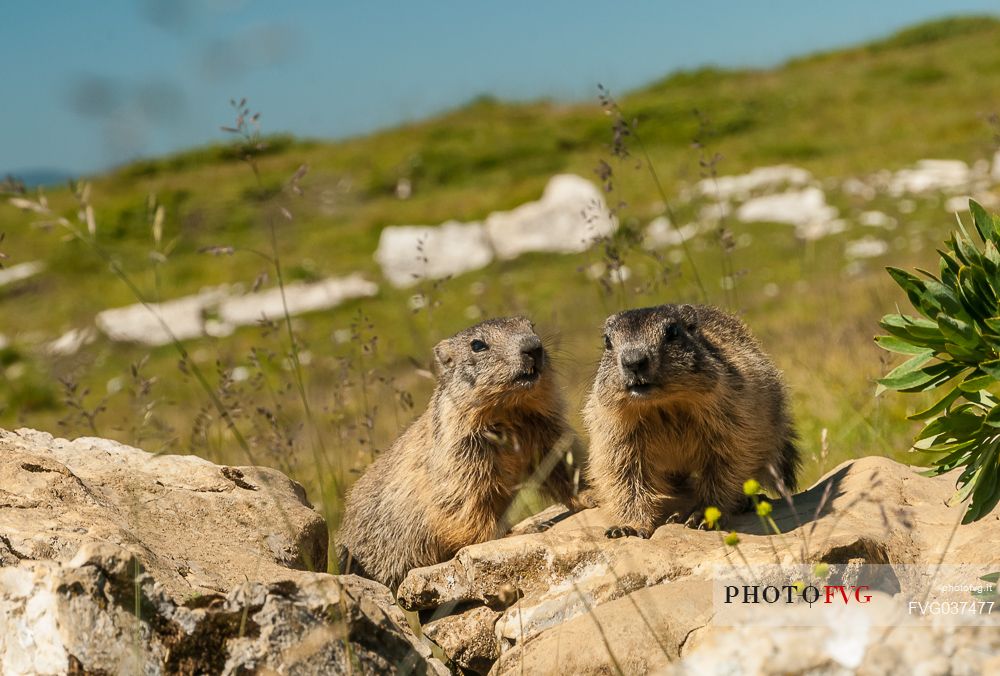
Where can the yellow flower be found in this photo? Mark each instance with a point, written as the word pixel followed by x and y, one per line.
pixel 763 508
pixel 712 516
pixel 732 539
pixel 751 488
pixel 821 570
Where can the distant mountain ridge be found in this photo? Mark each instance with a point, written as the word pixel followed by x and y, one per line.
pixel 40 176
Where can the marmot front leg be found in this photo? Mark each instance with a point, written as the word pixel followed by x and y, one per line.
pixel 637 510
pixel 718 485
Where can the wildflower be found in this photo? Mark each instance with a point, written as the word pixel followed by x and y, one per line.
pixel 732 539
pixel 751 488
pixel 763 508
pixel 712 516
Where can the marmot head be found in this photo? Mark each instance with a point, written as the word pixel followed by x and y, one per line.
pixel 498 361
pixel 655 354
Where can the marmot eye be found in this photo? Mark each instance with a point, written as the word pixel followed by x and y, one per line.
pixel 607 342
pixel 479 346
pixel 672 331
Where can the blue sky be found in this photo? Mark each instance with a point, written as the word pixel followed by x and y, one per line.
pixel 90 84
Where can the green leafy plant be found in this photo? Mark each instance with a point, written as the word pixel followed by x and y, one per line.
pixel 953 346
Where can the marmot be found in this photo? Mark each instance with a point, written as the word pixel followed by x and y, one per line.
pixel 684 409
pixel 495 418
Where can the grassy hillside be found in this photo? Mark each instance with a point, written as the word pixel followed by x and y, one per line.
pixel 926 92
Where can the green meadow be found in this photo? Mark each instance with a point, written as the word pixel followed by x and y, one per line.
pixel 363 367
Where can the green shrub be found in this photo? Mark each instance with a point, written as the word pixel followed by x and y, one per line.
pixel 954 347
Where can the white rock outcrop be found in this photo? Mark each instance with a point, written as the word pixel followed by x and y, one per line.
pixel 660 232
pixel 806 209
pixel 70 342
pixel 931 175
pixel 158 323
pixel 866 247
pixel 411 253
pixel 300 298
pixel 568 218
pixel 762 179
pixel 19 272
pixel 217 312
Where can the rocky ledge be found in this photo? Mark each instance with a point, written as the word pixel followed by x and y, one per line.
pixel 118 561
pixel 114 561
pixel 568 600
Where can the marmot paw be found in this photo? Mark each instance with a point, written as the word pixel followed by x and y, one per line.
pixel 626 531
pixel 696 520
pixel 693 519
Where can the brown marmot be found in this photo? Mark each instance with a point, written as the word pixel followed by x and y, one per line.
pixel 684 409
pixel 495 418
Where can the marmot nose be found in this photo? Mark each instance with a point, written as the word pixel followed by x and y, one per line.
pixel 531 346
pixel 635 361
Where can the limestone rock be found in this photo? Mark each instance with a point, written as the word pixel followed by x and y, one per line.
pixel 70 342
pixel 761 179
pixel 196 527
pixel 299 298
pixel 467 638
pixel 807 209
pixel 409 254
pixel 931 175
pixel 866 247
pixel 20 272
pixel 218 311
pixel 98 614
pixel 184 317
pixel 117 561
pixel 568 218
pixel 842 650
pixel 569 600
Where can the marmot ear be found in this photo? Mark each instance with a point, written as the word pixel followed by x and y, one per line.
pixel 443 358
pixel 689 315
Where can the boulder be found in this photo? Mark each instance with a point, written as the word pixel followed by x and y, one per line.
pixel 118 561
pixel 98 614
pixel 196 527
pixel 842 650
pixel 569 600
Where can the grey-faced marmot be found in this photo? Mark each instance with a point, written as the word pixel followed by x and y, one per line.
pixel 684 409
pixel 495 418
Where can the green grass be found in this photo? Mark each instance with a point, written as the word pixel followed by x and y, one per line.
pixel 925 92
